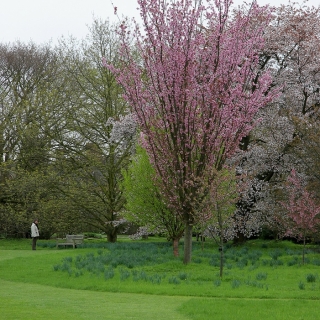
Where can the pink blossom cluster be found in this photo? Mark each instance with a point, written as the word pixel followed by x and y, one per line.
pixel 193 88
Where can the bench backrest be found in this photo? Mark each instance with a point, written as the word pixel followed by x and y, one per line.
pixel 75 238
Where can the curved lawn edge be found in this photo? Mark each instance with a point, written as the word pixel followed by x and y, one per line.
pixel 25 301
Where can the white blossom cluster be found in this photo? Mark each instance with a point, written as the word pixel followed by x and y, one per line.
pixel 228 232
pixel 269 153
pixel 123 129
pixel 141 232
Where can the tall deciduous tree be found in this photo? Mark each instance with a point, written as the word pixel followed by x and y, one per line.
pixel 284 138
pixel 27 86
pixel 100 133
pixel 192 92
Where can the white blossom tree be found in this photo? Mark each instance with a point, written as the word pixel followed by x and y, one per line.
pixel 274 146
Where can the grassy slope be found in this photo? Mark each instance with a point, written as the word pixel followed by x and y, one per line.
pixel 21 301
pixel 29 287
pixel 33 301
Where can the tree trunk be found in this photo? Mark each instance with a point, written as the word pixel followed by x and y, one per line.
pixel 187 243
pixel 112 237
pixel 304 248
pixel 176 247
pixel 221 256
pixel 239 239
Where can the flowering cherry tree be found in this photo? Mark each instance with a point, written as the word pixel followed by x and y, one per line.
pixel 194 91
pixel 286 136
pixel 303 211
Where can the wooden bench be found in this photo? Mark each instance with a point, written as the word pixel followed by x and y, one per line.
pixel 71 240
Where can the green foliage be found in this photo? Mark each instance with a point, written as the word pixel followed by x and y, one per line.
pixel 183 276
pixel 174 280
pixel 294 261
pixel 316 262
pixel 311 277
pixel 63 158
pixel 275 254
pixel 217 282
pixel 261 276
pixel 144 204
pixel 128 255
pixel 109 273
pixel 136 266
pixel 124 274
pixel 139 275
pixel 235 283
pixel 254 284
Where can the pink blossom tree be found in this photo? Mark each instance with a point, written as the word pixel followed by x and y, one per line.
pixel 194 91
pixel 303 211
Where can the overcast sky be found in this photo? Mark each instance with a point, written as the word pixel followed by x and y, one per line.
pixel 47 20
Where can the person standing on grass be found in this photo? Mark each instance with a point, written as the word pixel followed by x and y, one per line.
pixel 34 234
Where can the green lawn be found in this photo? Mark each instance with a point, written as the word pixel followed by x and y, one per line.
pixel 51 284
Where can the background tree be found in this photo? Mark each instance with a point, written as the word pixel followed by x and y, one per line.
pixel 303 211
pixel 274 146
pixel 99 134
pixel 192 92
pixel 145 205
pixel 27 84
pixel 306 146
pixel 219 207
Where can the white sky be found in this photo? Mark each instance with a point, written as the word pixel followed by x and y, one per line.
pixel 47 20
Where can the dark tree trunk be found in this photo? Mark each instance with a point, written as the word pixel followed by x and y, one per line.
pixel 187 243
pixel 304 249
pixel 221 257
pixel 239 239
pixel 176 247
pixel 112 237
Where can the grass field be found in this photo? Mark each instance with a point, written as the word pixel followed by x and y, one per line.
pixel 142 280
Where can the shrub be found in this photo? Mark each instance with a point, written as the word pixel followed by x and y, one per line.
pixel 253 267
pixel 214 262
pixel 275 263
pixel 67 259
pixel 183 276
pixel 124 274
pixel 235 283
pixel 301 285
pixel 197 260
pixel 275 254
pixel 229 266
pixel 139 275
pixel 311 277
pixel 316 262
pixel 293 261
pixel 109 273
pixel 254 284
pixel 56 267
pixel 261 276
pixel 254 256
pixel 156 279
pixel 244 251
pixel 217 283
pixel 174 280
